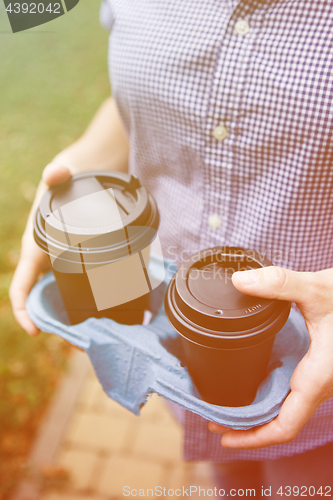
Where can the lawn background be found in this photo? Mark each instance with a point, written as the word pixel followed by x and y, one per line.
pixel 52 80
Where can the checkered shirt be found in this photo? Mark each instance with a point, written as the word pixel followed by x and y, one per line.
pixel 228 109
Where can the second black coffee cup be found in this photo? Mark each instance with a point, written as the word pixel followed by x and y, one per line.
pixel 97 231
pixel 227 336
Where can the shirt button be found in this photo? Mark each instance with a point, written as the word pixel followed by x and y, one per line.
pixel 242 27
pixel 220 133
pixel 214 221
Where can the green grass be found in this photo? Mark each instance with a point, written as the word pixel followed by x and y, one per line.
pixel 52 80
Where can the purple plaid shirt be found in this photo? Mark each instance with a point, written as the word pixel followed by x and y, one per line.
pixel 228 107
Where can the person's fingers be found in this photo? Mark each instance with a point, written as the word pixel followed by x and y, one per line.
pixel 221 429
pixel 275 283
pixel 55 173
pixel 25 277
pixel 31 263
pixel 294 413
pixel 25 322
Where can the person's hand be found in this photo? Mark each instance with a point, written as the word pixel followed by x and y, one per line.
pixel 33 261
pixel 103 146
pixel 312 381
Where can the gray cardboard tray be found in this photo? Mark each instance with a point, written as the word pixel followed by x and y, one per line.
pixel 132 362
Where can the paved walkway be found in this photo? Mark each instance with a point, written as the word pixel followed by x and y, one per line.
pixel 106 448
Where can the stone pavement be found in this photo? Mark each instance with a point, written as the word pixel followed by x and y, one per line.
pixel 106 448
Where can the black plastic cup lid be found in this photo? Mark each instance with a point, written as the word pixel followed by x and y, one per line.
pixel 103 215
pixel 203 305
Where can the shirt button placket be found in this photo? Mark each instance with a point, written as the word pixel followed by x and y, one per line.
pixel 223 131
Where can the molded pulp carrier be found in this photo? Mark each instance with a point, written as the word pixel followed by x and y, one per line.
pixel 131 362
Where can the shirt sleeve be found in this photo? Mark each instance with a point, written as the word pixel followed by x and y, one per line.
pixel 106 16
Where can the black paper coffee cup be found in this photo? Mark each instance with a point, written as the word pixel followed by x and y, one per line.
pixel 97 230
pixel 227 336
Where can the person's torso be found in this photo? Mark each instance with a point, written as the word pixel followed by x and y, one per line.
pixel 229 113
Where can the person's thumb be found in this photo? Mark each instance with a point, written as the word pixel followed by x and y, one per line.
pixel 275 283
pixel 54 173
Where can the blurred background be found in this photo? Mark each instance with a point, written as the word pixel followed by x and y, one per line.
pixel 52 80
